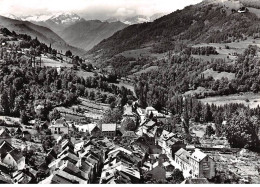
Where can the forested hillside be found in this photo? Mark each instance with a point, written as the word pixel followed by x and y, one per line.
pixel 196 24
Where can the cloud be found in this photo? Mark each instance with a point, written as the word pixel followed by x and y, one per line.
pixel 91 7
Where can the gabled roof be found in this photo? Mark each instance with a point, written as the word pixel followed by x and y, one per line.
pixel 59 180
pixel 150 108
pixel 108 127
pixel 92 126
pixel 198 155
pixel 150 123
pixel 130 134
pixel 4 133
pixel 59 123
pixel 73 158
pixel 5 147
pixel 183 154
pixel 17 155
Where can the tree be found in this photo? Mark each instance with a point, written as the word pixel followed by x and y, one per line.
pixel 24 118
pixel 209 131
pixel 242 131
pixel 128 124
pixel 177 176
pixel 255 88
pixel 68 53
pixel 207 113
pixel 54 115
pixel 4 101
pixel 112 116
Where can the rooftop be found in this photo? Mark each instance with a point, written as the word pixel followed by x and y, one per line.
pixel 198 155
pixel 108 127
pixel 183 154
pixel 17 155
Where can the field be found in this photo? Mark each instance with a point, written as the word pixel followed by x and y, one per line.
pixel 218 75
pixel 146 70
pixel 198 91
pixel 254 100
pixel 86 74
pixel 139 53
pixel 53 63
pixel 234 47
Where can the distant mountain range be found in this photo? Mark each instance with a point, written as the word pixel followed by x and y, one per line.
pixel 86 34
pixel 44 34
pixel 135 19
pixel 69 29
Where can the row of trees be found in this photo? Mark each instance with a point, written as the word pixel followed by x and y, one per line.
pixel 207 50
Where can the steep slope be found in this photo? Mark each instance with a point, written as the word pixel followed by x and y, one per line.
pixel 42 33
pixel 204 22
pixel 86 34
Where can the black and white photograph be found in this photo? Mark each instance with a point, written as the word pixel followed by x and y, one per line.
pixel 130 92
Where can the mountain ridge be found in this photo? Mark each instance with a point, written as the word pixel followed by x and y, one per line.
pixel 44 34
pixel 204 22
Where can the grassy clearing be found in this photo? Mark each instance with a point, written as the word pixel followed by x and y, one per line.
pixel 218 75
pixel 85 74
pixel 254 100
pixel 198 91
pixel 54 63
pixel 234 47
pixel 140 53
pixel 147 70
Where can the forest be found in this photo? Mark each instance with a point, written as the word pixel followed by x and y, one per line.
pixel 25 86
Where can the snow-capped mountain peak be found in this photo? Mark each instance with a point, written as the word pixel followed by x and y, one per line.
pixel 135 19
pixel 65 18
pixel 11 16
pixel 58 18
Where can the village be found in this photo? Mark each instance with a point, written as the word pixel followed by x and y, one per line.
pixel 64 120
pixel 112 154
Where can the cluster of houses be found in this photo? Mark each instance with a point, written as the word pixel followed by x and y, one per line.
pixel 110 154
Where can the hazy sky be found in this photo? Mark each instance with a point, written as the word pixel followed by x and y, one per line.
pixel 93 9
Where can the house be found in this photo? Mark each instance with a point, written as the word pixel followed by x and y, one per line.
pixel 20 177
pixel 109 130
pixel 51 156
pixel 120 173
pixel 150 110
pixel 242 10
pixel 16 159
pixel 60 126
pixel 5 147
pixel 198 164
pixel 92 129
pixel 128 113
pixel 55 179
pixel 148 139
pixel 5 136
pixel 129 136
pixel 163 118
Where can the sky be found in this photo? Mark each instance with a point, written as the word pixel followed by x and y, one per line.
pixel 93 9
